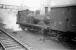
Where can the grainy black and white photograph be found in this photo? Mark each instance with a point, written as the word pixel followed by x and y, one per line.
pixel 37 24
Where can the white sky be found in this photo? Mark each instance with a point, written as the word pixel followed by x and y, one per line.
pixel 36 4
pixel 33 4
pixel 62 2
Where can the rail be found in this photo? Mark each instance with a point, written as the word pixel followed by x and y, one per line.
pixel 27 47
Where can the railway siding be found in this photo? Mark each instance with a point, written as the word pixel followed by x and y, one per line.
pixel 10 43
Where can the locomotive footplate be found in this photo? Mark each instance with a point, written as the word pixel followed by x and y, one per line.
pixel 33 27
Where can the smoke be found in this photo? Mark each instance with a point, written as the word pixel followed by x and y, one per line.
pixel 9 18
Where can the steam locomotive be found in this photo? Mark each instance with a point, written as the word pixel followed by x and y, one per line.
pixel 59 22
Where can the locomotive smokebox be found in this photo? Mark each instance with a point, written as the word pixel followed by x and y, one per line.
pixel 63 18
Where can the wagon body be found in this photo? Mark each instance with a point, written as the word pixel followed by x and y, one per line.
pixel 64 18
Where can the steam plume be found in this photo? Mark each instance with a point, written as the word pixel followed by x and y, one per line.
pixel 9 18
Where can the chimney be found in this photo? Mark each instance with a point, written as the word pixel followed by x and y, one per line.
pixel 46 10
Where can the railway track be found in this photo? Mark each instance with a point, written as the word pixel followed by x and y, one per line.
pixel 9 43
